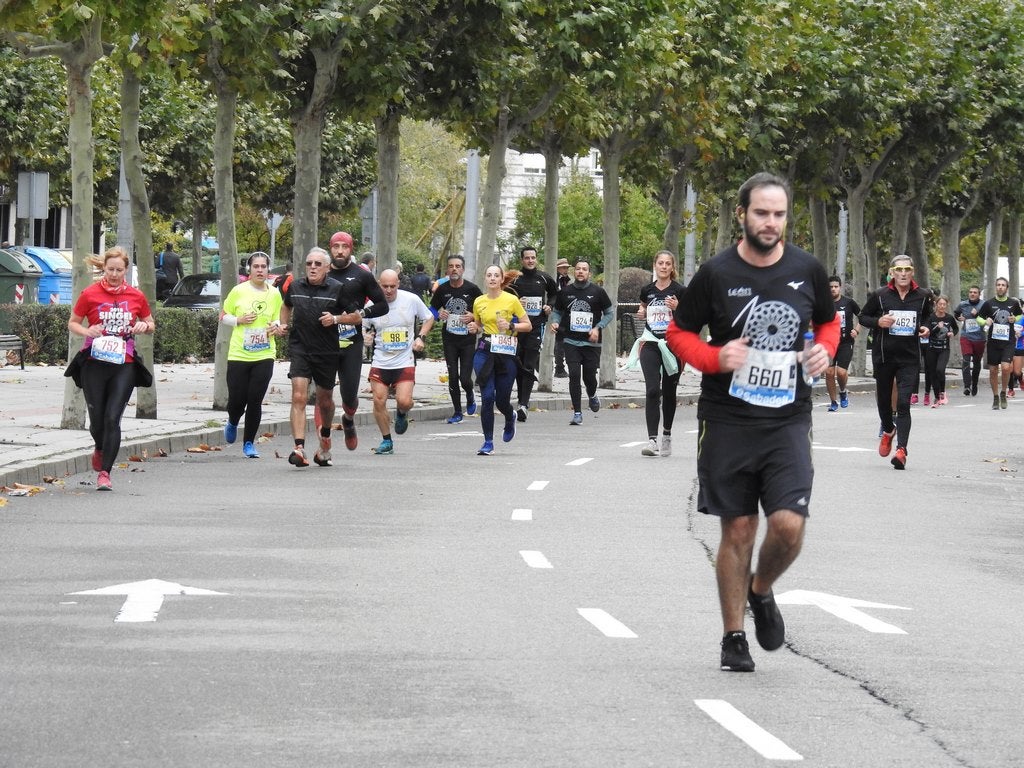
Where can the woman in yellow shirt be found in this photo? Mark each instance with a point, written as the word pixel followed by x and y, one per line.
pixel 498 315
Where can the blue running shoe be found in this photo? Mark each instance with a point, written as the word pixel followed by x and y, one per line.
pixel 401 423
pixel 386 448
pixel 486 449
pixel 230 432
pixel 510 430
pixel 471 406
pixel 250 452
pixel 577 419
pixel 455 418
pixel 844 399
pixel 833 407
pixel 595 404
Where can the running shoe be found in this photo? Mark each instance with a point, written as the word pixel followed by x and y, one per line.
pixel 913 399
pixel 595 404
pixel 521 413
pixel 899 461
pixel 666 445
pixel 486 449
pixel 97 460
pixel 103 482
pixel 576 420
pixel 471 406
pixel 768 624
pixel 386 448
pixel 250 452
pixel 510 429
pixel 1002 400
pixel 351 440
pixel 974 390
pixel 297 458
pixel 995 402
pixel 844 399
pixel 927 399
pixel 885 445
pixel 833 407
pixel 736 653
pixel 651 449
pixel 967 391
pixel 322 458
pixel 943 400
pixel 401 423
pixel 455 418
pixel 230 432
pixel 1011 392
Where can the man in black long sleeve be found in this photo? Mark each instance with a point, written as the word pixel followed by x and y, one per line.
pixel 536 291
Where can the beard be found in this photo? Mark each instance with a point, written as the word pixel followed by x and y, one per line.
pixel 761 245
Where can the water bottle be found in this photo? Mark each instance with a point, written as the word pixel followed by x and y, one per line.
pixel 808 343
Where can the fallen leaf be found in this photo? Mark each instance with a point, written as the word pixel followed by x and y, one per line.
pixel 633 405
pixel 49 479
pixel 196 449
pixel 996 461
pixel 136 458
pixel 3 502
pixel 30 489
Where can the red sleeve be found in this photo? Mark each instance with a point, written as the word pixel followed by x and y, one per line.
pixel 828 335
pixel 690 348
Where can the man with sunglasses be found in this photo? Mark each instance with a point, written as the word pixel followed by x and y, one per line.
pixel 312 305
pixel 896 315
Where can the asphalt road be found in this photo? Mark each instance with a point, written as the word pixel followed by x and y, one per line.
pixel 551 605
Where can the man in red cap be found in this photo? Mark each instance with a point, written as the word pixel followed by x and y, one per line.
pixel 357 287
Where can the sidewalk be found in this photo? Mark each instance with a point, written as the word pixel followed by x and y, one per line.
pixel 33 446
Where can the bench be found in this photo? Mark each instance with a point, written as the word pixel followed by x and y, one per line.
pixel 9 341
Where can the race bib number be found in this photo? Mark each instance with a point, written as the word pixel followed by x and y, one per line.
pixel 841 314
pixel 346 332
pixel 581 322
pixel 394 339
pixel 455 325
pixel 970 325
pixel 255 339
pixel 767 379
pixel 658 317
pixel 503 344
pixel 905 323
pixel 1001 331
pixel 533 305
pixel 108 349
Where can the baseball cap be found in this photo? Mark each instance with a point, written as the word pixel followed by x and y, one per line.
pixel 342 237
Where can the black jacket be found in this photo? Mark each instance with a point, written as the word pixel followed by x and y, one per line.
pixel 887 345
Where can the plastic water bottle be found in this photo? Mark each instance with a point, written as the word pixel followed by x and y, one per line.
pixel 808 343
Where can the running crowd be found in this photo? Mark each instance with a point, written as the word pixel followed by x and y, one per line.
pixel 761 321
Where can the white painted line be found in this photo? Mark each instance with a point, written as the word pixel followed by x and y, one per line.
pixel 633 445
pixel 607 624
pixel 537 485
pixel 579 462
pixel 741 726
pixel 535 559
pixel 844 608
pixel 144 598
pixel 819 447
pixel 522 514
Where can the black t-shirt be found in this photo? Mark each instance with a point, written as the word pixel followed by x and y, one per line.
pixel 581 309
pixel 771 306
pixel 658 313
pixel 847 309
pixel 357 286
pixel 456 301
pixel 1000 313
pixel 308 302
pixel 535 289
pixel 938 330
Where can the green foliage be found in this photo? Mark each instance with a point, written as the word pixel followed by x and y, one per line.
pixel 43 327
pixel 183 333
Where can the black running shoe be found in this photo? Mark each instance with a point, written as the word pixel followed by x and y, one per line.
pixel 768 624
pixel 736 653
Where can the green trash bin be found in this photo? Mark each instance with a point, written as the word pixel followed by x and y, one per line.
pixel 19 283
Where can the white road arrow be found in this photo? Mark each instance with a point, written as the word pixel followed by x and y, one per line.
pixel 843 607
pixel 145 597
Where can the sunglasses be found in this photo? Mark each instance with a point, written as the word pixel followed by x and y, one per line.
pixel 902 269
pixel 315 264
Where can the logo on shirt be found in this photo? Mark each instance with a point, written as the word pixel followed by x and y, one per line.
pixel 740 292
pixel 795 285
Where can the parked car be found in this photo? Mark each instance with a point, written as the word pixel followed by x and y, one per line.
pixel 196 292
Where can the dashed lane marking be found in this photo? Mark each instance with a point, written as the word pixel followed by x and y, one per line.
pixel 608 625
pixel 579 462
pixel 535 559
pixel 537 485
pixel 522 514
pixel 741 726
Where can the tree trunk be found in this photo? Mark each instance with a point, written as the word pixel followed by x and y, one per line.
pixel 725 225
pixel 388 165
pixel 491 204
pixel 950 244
pixel 916 246
pixel 611 159
pixel 1013 253
pixel 552 151
pixel 224 193
pixel 820 234
pixel 995 239
pixel 131 157
pixel 79 58
pixel 863 283
pixel 676 209
pixel 900 224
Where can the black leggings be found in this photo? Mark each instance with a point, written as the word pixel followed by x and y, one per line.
pixel 350 366
pixel 935 361
pixel 459 359
pixel 905 375
pixel 247 385
pixel 107 388
pixel 661 389
pixel 582 364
